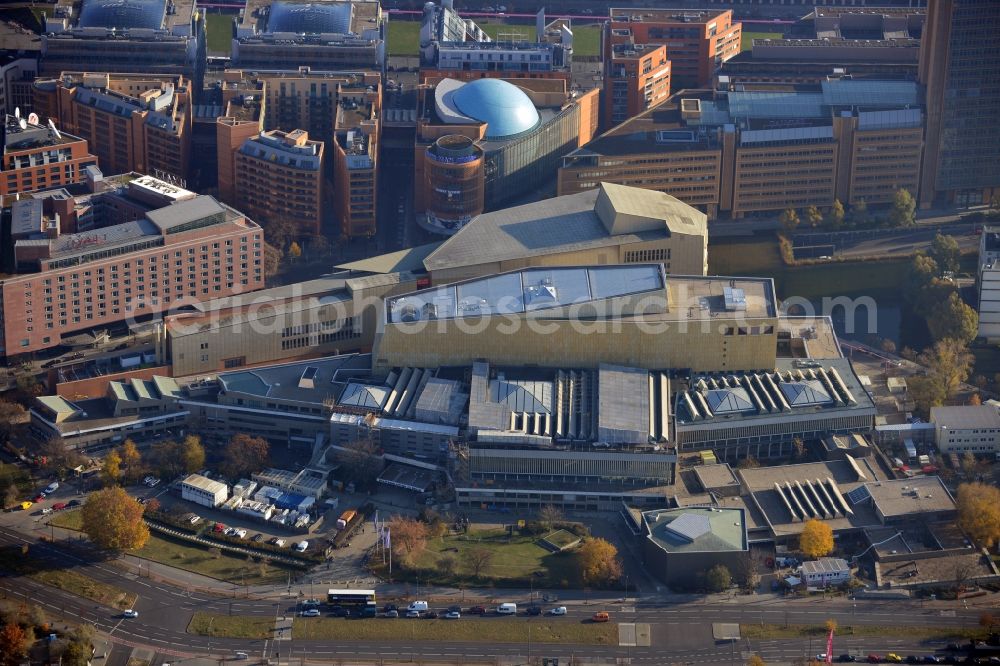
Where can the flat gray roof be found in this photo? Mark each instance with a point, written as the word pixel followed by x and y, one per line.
pixel 284 382
pixel 966 417
pixel 525 291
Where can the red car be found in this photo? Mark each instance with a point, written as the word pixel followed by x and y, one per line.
pixel 40 498
pixel 874 658
pixel 59 506
pixel 477 610
pixel 219 527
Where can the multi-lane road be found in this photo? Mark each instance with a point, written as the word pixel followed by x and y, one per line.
pixel 680 632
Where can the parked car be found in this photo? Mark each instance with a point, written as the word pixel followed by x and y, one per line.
pixel 431 615
pixel 847 659
pixel 311 603
pixel 390 607
pixel 39 498
pixel 219 527
pixel 507 609
pixel 558 610
pixel 59 506
pixel 453 615
pixel 412 613
pixel 392 613
pixel 933 659
pixel 257 538
pixel 130 613
pixel 229 531
pixel 241 533
pixel 477 610
pixel 312 612
pixel 46 511
pixel 73 503
pixel 279 543
pixel 912 659
pixel 874 658
pixel 25 505
pixel 821 657
pixel 195 520
pixel 601 616
pixel 419 606
pixel 893 658
pixel 301 546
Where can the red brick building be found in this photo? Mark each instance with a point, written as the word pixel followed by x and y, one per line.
pixel 36 157
pixel 636 78
pixel 697 41
pixel 148 247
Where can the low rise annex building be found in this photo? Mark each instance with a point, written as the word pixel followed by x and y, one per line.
pixel 967 428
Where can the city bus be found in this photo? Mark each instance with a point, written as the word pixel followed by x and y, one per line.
pixel 350 597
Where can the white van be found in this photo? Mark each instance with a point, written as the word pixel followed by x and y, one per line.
pixel 51 488
pixel 419 606
pixel 507 609
pixel 301 546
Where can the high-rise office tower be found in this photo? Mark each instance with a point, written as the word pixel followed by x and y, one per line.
pixel 960 65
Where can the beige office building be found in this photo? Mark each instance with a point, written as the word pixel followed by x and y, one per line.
pixel 730 154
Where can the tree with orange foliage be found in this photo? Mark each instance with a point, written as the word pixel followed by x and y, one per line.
pixel 113 520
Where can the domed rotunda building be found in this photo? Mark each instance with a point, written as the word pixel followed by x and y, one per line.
pixel 487 142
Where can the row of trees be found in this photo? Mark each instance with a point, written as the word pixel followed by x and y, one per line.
pixel 242 455
pixel 902 213
pixel 930 292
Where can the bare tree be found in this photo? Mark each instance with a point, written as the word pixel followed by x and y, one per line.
pixel 550 514
pixel 478 560
pixel 963 570
pixel 361 462
pixel 447 564
pixel 748 570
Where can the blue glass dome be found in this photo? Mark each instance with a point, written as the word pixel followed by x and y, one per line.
pixel 123 14
pixel 502 106
pixel 309 18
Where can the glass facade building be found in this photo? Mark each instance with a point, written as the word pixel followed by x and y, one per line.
pixel 960 65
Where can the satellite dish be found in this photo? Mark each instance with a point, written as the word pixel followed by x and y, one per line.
pixel 52 126
pixel 17 112
pixel 33 118
pixel 23 123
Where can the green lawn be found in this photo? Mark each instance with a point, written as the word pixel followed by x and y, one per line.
pixel 513 32
pixel 776 631
pixel 199 560
pixel 469 629
pixel 586 40
pixel 75 583
pixel 231 626
pixel 219 29
pixel 404 38
pixel 747 38
pixel 517 561
pixel 192 558
pixel 70 520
